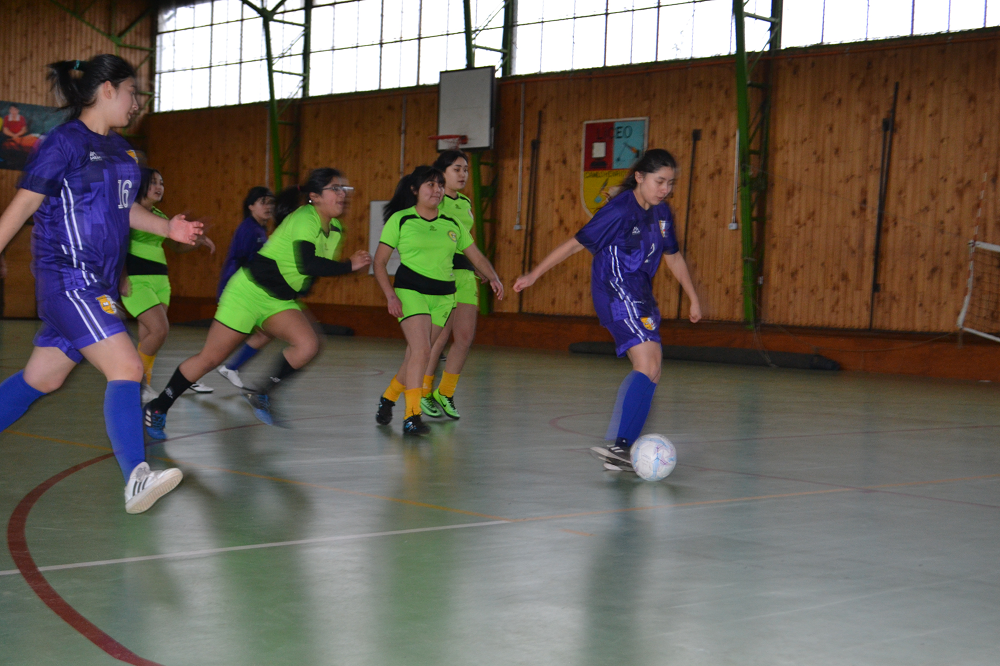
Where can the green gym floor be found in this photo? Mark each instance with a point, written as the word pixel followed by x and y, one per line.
pixel 814 518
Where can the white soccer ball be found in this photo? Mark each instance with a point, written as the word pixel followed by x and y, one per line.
pixel 653 457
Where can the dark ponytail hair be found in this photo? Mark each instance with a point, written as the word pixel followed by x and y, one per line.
pixel 291 198
pixel 406 191
pixel 145 182
pixel 449 157
pixel 255 194
pixel 75 82
pixel 651 161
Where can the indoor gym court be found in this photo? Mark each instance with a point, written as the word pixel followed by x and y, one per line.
pixel 814 517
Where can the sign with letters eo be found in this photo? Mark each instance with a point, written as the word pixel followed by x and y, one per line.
pixel 610 147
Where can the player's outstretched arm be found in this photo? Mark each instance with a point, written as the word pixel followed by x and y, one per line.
pixel 22 206
pixel 677 266
pixel 486 268
pixel 177 228
pixel 379 264
pixel 557 256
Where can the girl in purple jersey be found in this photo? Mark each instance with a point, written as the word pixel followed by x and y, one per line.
pixel 80 185
pixel 627 237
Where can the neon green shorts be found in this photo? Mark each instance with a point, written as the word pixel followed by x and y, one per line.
pixel 466 287
pixel 148 291
pixel 245 305
pixel 415 303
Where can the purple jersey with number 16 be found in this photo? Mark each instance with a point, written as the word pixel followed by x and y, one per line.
pixel 81 229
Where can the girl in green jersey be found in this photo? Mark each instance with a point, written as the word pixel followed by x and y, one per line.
pixel 265 295
pixel 146 292
pixel 462 324
pixel 423 295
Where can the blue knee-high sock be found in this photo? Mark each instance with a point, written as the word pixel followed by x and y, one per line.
pixel 632 407
pixel 123 419
pixel 15 398
pixel 245 353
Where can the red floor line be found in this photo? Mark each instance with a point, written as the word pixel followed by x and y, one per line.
pixel 17 542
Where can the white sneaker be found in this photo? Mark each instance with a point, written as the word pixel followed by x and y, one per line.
pixel 232 375
pixel 148 393
pixel 144 486
pixel 198 387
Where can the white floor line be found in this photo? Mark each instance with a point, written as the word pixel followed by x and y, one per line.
pixel 215 551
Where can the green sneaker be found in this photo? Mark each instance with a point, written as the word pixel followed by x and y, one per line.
pixel 430 408
pixel 447 404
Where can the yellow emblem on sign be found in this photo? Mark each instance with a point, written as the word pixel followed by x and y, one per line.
pixel 107 304
pixel 452 235
pixel 131 153
pixel 647 322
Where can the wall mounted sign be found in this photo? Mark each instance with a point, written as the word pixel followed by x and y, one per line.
pixel 21 127
pixel 609 149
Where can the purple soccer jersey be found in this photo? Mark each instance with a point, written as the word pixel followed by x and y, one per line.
pixel 627 243
pixel 80 236
pixel 248 238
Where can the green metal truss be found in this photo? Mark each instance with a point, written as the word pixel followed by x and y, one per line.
pixel 753 86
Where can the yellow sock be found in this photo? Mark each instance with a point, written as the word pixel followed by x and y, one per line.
pixel 412 402
pixel 448 384
pixel 147 366
pixel 394 390
pixel 428 385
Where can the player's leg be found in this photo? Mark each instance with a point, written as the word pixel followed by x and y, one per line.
pixel 231 368
pixel 427 403
pixel 45 372
pixel 391 395
pixel 119 362
pixel 418 330
pixel 220 343
pixel 153 330
pixel 463 322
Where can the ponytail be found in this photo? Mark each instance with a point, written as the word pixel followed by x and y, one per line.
pixel 75 82
pixel 406 191
pixel 651 161
pixel 292 197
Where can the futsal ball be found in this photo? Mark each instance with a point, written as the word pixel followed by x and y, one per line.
pixel 653 457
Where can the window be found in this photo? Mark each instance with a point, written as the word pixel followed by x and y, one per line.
pixel 211 52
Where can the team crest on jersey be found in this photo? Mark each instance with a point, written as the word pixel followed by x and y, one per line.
pixel 663 228
pixel 131 153
pixel 452 235
pixel 647 322
pixel 107 304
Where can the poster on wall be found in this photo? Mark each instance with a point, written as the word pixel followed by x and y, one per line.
pixel 609 149
pixel 21 127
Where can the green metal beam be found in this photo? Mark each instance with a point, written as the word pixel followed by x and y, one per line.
pixel 116 39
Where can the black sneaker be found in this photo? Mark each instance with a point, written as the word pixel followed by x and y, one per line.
pixel 384 414
pixel 614 454
pixel 415 426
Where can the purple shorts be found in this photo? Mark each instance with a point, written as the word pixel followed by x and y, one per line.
pixel 76 319
pixel 634 330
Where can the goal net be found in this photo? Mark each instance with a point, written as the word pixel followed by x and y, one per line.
pixel 981 310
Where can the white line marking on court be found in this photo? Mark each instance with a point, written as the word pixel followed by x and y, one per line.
pixel 231 549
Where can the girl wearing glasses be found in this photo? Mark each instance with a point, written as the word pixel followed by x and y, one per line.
pixel 423 296
pixel 147 295
pixel 264 294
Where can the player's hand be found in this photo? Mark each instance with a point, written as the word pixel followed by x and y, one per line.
pixel 695 314
pixel 183 230
pixel 497 287
pixel 395 306
pixel 523 282
pixel 207 242
pixel 360 259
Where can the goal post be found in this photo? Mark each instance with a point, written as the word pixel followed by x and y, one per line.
pixel 980 312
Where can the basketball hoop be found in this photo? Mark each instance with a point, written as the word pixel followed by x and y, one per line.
pixel 449 141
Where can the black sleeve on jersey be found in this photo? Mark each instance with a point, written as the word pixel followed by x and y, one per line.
pixel 308 263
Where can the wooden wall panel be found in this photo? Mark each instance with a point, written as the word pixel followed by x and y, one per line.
pixel 209 159
pixel 36 33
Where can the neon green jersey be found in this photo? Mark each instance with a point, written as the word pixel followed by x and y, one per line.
pixel 302 226
pixel 426 247
pixel 146 245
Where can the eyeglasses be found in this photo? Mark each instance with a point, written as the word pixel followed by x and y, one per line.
pixel 337 189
